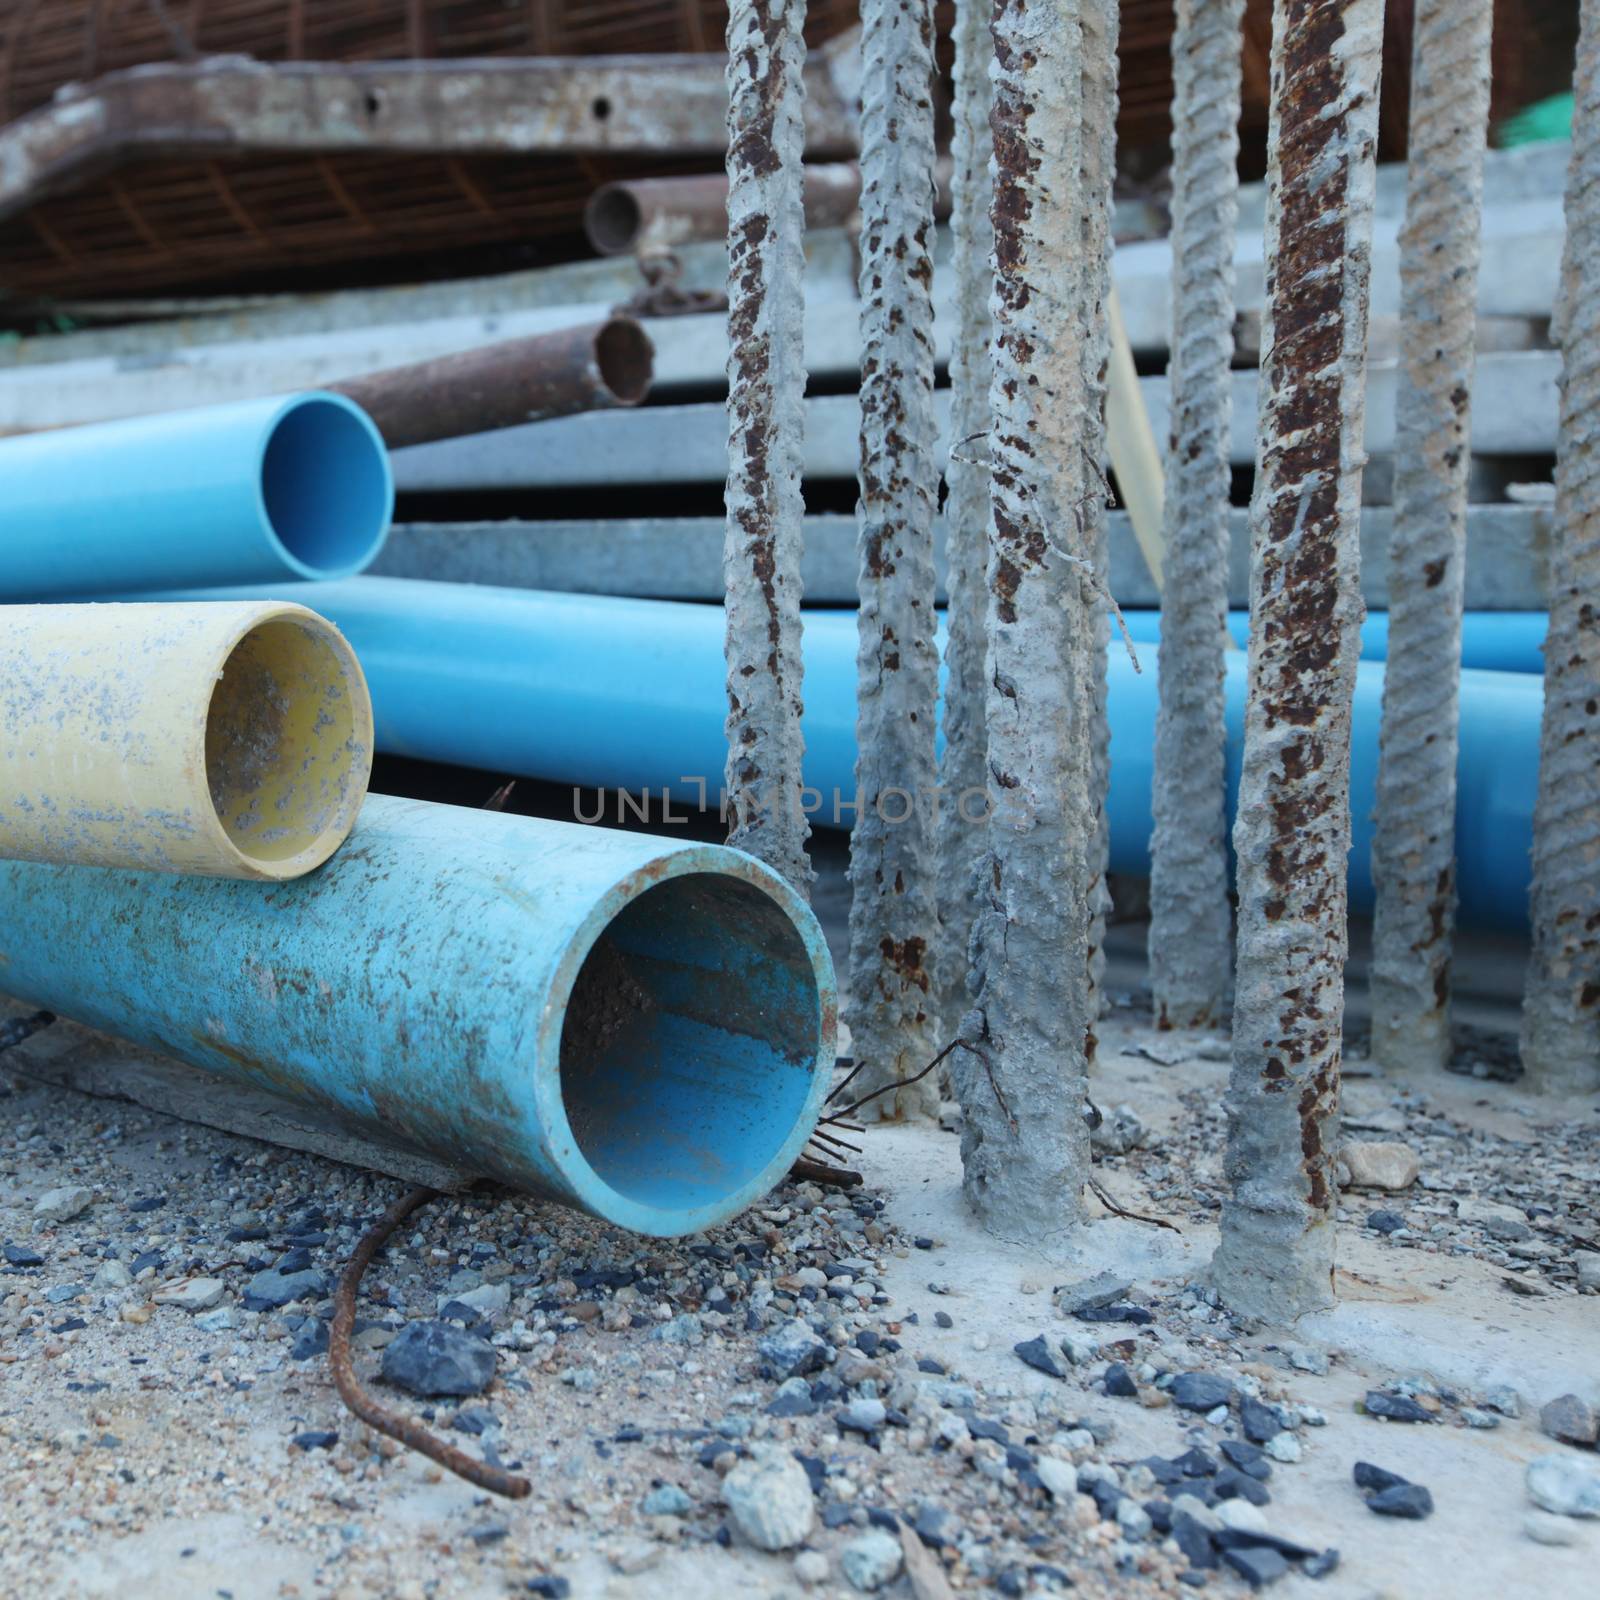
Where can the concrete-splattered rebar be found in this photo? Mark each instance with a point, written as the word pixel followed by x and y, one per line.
pixel 963 779
pixel 766 388
pixel 894 904
pixel 1561 1008
pixel 1413 845
pixel 1190 921
pixel 1292 835
pixel 1025 1146
pixel 1099 21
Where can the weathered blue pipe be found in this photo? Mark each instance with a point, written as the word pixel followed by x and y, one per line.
pixel 589 689
pixel 289 487
pixel 636 1027
pixel 1497 641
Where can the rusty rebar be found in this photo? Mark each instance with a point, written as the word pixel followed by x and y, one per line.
pixel 962 775
pixel 1275 1259
pixel 1099 20
pixel 1024 1179
pixel 1190 941
pixel 1413 843
pixel 1561 1007
pixel 497 1480
pixel 894 905
pixel 766 423
pixel 634 214
pixel 592 367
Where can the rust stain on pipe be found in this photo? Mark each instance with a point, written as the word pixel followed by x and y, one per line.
pixel 1292 835
pixel 592 367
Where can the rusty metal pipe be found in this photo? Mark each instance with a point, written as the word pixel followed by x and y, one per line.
pixel 592 367
pixel 636 214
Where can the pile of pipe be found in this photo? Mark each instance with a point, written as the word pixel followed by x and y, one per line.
pixel 189 858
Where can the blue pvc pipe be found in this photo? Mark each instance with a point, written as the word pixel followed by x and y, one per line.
pixel 288 487
pixel 1498 641
pixel 637 1027
pixel 595 690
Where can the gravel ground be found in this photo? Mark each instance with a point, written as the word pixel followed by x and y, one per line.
pixel 814 1376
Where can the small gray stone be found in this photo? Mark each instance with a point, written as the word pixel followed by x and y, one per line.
pixel 1284 1447
pixel 769 1499
pixel 794 1350
pixel 666 1500
pixel 272 1289
pixel 1502 1397
pixel 436 1358
pixel 191 1294
pixel 1588 1269
pixel 1101 1290
pixel 1307 1358
pixel 862 1416
pixel 1475 1418
pixel 218 1321
pixel 1080 1348
pixel 64 1292
pixel 1038 1355
pixel 1544 1528
pixel 62 1205
pixel 810 1568
pixel 1132 1518
pixel 1118 1131
pixel 1379 1164
pixel 1059 1477
pixel 872 1560
pixel 1564 1484
pixel 488 1299
pixel 1240 1514
pixel 112 1275
pixel 1570 1420
pixel 685 1328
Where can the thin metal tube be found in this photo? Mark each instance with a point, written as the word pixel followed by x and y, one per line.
pixel 1191 923
pixel 1275 1258
pixel 893 906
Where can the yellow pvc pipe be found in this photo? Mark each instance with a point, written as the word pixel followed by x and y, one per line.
pixel 228 739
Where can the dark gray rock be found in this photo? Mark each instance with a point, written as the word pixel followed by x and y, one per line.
pixel 1395 1407
pixel 793 1349
pixel 1201 1391
pixel 1367 1476
pixel 311 1341
pixel 1402 1500
pixel 434 1358
pixel 1194 1541
pixel 269 1290
pixel 1385 1221
pixel 1258 1565
pixel 1232 1484
pixel 1038 1355
pixel 19 1255
pixel 936 1525
pixel 315 1440
pixel 1570 1419
pixel 1259 1421
pixel 1319 1566
pixel 1119 1381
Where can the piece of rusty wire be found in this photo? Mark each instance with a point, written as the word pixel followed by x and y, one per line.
pixel 1275 1258
pixel 894 912
pixel 1413 841
pixel 497 1480
pixel 1561 1007
pixel 1024 1177
pixel 962 770
pixel 14 1030
pixel 764 531
pixel 1191 922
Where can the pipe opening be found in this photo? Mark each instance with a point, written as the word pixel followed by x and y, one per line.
pixel 626 360
pixel 690 1042
pixel 613 219
pixel 325 486
pixel 288 744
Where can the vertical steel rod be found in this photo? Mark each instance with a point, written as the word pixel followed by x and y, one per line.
pixel 1561 1009
pixel 1413 845
pixel 963 781
pixel 1099 20
pixel 766 386
pixel 1190 920
pixel 894 902
pixel 1025 1146
pixel 1292 835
